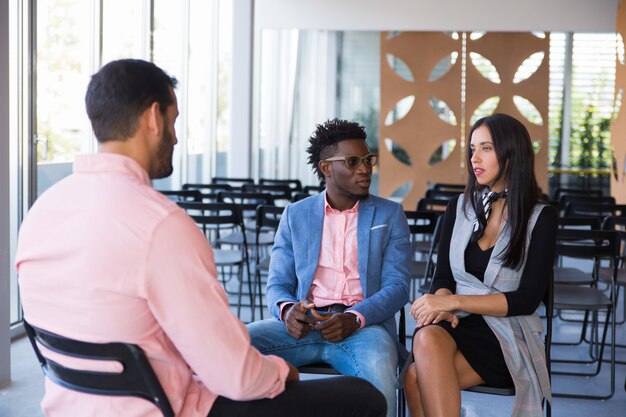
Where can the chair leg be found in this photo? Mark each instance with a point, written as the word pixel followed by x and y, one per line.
pixel 610 320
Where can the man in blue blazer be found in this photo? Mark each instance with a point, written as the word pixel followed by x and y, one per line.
pixel 339 269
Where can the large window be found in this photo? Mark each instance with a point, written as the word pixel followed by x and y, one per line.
pixel 73 38
pixel 582 84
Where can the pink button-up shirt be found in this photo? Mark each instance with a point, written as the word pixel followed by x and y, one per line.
pixel 336 279
pixel 103 257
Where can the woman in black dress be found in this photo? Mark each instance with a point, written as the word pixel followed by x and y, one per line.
pixel 478 324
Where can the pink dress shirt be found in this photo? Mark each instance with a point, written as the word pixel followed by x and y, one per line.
pixel 336 279
pixel 103 257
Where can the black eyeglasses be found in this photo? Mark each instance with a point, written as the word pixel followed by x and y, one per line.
pixel 353 162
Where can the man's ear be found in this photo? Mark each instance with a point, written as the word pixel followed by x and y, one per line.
pixel 153 117
pixel 324 166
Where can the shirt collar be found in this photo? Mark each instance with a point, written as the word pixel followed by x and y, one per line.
pixel 328 209
pixel 110 163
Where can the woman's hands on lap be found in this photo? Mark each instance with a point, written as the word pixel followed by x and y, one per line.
pixel 433 308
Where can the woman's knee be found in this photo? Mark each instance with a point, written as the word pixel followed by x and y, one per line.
pixel 432 340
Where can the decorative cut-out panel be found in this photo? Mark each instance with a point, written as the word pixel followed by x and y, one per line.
pixel 618 123
pixel 433 58
pixel 505 72
pixel 522 63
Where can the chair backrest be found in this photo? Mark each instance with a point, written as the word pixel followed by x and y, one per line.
pixel 588 244
pixel 208 191
pixel 293 184
pixel 579 222
pixel 618 224
pixel 577 198
pixel 313 189
pixel 182 195
pixel 443 194
pixel 422 221
pixel 598 210
pixel 268 217
pixel 432 204
pixel 279 192
pixel 136 377
pixel 245 200
pixel 575 191
pixel 447 187
pixel 234 182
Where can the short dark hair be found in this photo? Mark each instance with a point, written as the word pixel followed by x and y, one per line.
pixel 323 142
pixel 120 92
pixel 516 157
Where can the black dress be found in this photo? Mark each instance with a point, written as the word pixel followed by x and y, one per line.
pixel 473 336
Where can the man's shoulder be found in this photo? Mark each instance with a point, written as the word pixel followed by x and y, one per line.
pixel 384 203
pixel 305 203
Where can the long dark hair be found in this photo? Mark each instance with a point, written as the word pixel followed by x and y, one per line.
pixel 516 158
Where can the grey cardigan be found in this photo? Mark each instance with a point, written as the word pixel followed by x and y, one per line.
pixel 519 336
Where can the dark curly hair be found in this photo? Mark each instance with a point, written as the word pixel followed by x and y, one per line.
pixel 323 142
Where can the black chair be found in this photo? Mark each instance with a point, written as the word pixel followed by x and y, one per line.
pixel 424 229
pixel 247 201
pixel 281 193
pixel 595 245
pixel 182 195
pixel 446 187
pixel 597 210
pixel 548 302
pixel 208 191
pixel 293 184
pixel 233 181
pixel 267 221
pixel 442 194
pixel 605 272
pixel 568 275
pixel 322 368
pixel 299 196
pixel 432 204
pixel 136 378
pixel 561 191
pixel 214 219
pixel 313 189
pixel 575 198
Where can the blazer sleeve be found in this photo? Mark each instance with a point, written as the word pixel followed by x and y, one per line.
pixel 282 282
pixel 393 276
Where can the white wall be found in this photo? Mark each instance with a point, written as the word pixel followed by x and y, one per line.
pixel 5 264
pixel 438 15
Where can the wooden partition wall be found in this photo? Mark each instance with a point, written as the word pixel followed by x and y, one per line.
pixel 618 124
pixel 457 94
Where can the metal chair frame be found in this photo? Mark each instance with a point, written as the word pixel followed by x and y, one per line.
pixel 136 378
pixel 596 245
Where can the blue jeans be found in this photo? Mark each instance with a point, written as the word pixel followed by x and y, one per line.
pixel 369 353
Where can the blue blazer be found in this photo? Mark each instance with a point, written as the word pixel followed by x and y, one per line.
pixel 384 255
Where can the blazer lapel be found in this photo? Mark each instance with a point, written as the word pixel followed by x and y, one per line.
pixel 315 226
pixel 364 224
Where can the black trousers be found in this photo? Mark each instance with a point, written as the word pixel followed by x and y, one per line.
pixel 340 396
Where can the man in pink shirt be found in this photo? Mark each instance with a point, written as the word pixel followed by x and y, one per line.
pixel 345 253
pixel 102 257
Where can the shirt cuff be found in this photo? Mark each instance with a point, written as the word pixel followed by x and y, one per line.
pixel 359 315
pixel 282 307
pixel 283 372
